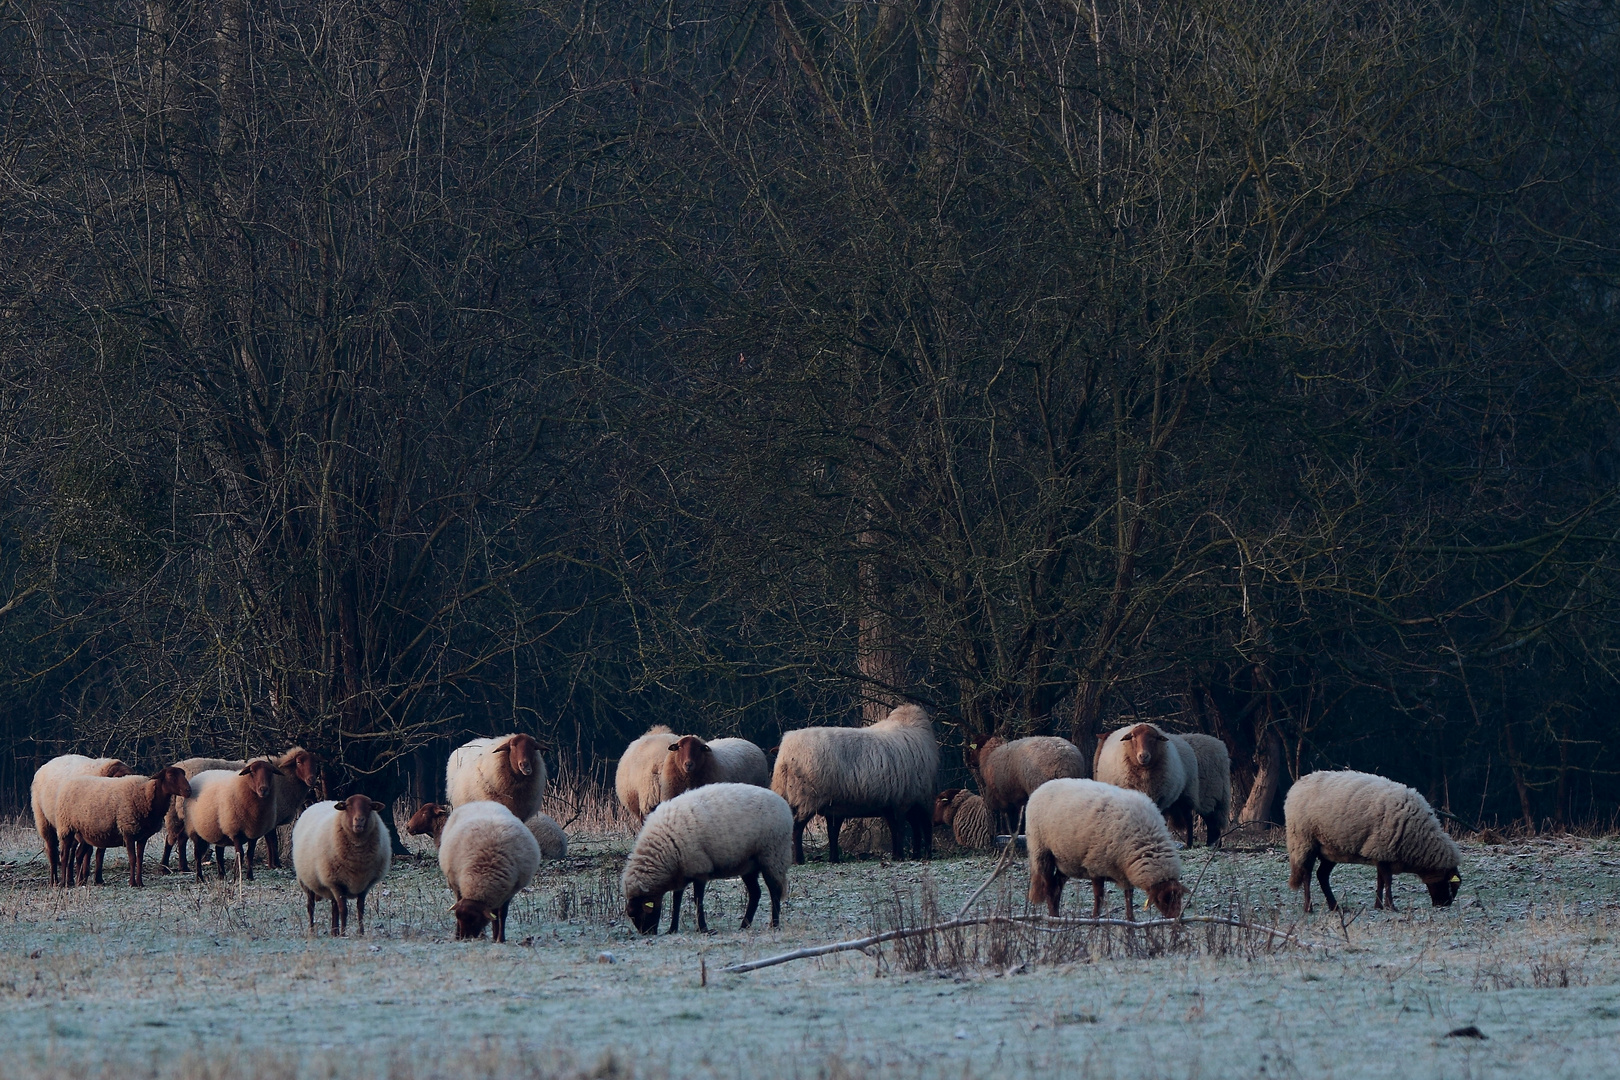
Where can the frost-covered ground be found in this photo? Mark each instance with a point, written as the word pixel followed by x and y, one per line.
pixel 189 980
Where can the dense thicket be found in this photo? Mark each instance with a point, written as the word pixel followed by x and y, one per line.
pixel 376 373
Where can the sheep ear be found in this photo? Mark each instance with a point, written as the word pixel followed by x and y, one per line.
pixel 344 805
pixel 674 746
pixel 247 770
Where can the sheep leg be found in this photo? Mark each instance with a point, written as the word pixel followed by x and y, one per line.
pixel 697 900
pixel 101 853
pixel 1212 830
pixel 311 906
pixel 500 923
pixel 67 861
pixel 776 885
pixel 134 864
pixel 798 842
pixel 751 883
pixel 197 856
pixel 1098 885
pixel 1130 894
pixel 51 852
pixel 219 859
pixel 360 914
pixel 675 908
pixel 897 838
pixel 1322 873
pixel 1386 880
pixel 835 825
pixel 272 850
pixel 246 853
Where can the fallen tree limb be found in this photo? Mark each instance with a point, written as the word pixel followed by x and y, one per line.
pixel 1040 922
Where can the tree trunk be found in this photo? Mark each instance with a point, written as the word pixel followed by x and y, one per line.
pixel 1267 778
pixel 881 666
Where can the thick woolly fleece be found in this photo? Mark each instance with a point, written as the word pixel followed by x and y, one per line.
pixel 487 854
pixel 887 768
pixel 478 772
pixel 331 860
pixel 1355 817
pixel 1097 830
pixel 715 831
pixel 637 779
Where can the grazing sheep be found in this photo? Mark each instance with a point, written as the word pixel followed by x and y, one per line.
pixel 716 831
pixel 1083 828
pixel 1162 767
pixel 340 850
pixel 430 818
pixel 506 769
pixel 42 797
pixel 101 812
pixel 233 808
pixel 1008 771
pixel 487 856
pixel 638 778
pixel 296 772
pixel 692 763
pixel 174 826
pixel 964 814
pixel 887 770
pixel 1214 785
pixel 1354 817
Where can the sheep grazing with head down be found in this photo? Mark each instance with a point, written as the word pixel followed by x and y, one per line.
pixel 340 851
pixel 99 812
pixel 506 769
pixel 1214 802
pixel 430 819
pixel 233 808
pixel 487 856
pixel 1087 829
pixel 965 815
pixel 1354 817
pixel 639 777
pixel 1162 767
pixel 887 770
pixel 42 793
pixel 1008 772
pixel 691 763
pixel 712 832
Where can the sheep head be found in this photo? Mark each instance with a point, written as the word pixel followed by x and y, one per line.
pixel 644 912
pixel 262 777
pixel 471 918
pixel 1167 897
pixel 428 820
pixel 115 768
pixel 521 751
pixel 942 805
pixel 1146 744
pixel 300 763
pixel 1444 888
pixel 357 811
pixel 690 754
pixel 172 781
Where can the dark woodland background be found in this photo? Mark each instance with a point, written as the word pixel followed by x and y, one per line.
pixel 375 373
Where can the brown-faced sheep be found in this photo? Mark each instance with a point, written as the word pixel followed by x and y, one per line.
pixel 716 831
pixel 638 779
pixel 101 812
pixel 887 770
pixel 1214 785
pixel 1162 767
pixel 1008 772
pixel 430 819
pixel 1087 829
pixel 1354 817
pixel 692 763
pixel 506 769
pixel 297 772
pixel 487 856
pixel 42 798
pixel 964 814
pixel 174 822
pixel 233 808
pixel 341 850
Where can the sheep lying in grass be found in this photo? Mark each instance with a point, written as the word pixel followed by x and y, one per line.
pixel 506 769
pixel 487 856
pixel 101 812
pixel 1087 829
pixel 1354 817
pixel 638 781
pixel 716 831
pixel 42 793
pixel 1008 772
pixel 887 770
pixel 965 815
pixel 341 850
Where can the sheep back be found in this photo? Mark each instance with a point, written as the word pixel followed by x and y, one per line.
pixel 49 777
pixel 1009 772
pixel 970 822
pixel 1355 817
pixel 715 831
pixel 487 854
pixel 331 860
pixel 487 770
pixel 1096 830
pixel 637 779
pixel 103 812
pixel 549 835
pixel 887 768
pixel 1214 777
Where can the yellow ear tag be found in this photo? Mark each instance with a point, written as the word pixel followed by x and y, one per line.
pixel 1455 880
pixel 649 905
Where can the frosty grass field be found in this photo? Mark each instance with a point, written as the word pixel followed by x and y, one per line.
pixel 201 981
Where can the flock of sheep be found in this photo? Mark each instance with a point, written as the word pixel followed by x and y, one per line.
pixel 717 810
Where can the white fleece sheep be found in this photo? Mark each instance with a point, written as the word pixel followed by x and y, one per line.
pixel 715 831
pixel 174 822
pixel 98 812
pixel 887 770
pixel 487 856
pixel 1008 771
pixel 42 797
pixel 1354 817
pixel 691 763
pixel 1214 785
pixel 430 819
pixel 233 808
pixel 1161 766
pixel 1088 829
pixel 505 768
pixel 341 850
pixel 638 777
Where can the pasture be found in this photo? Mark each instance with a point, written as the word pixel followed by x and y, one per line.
pixel 213 980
